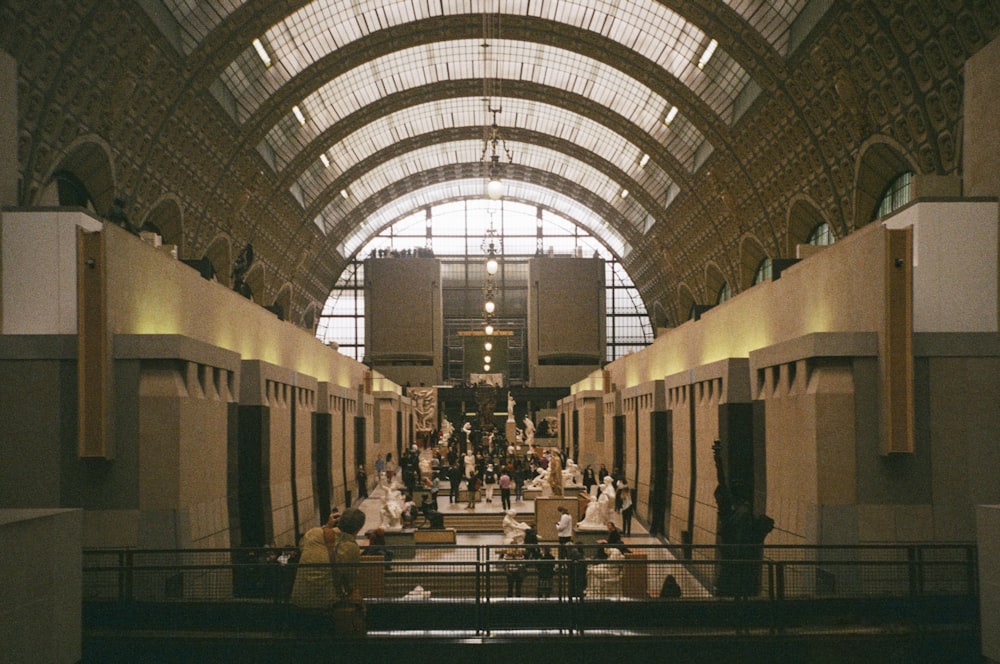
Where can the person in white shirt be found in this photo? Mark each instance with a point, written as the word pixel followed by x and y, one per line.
pixel 564 529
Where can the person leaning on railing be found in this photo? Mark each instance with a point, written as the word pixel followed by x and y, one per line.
pixel 315 587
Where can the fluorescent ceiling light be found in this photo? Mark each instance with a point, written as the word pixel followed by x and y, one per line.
pixel 297 112
pixel 326 162
pixel 671 114
pixel 258 46
pixel 707 55
pixel 624 193
pixel 343 192
pixel 644 161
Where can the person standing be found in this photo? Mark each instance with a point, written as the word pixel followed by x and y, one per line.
pixel 504 484
pixel 362 482
pixel 589 478
pixel 390 467
pixel 564 529
pixel 379 467
pixel 546 566
pixel 454 482
pixel 627 508
pixel 519 473
pixel 489 482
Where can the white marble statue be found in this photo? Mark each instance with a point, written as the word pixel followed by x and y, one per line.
pixel 529 431
pixel 447 429
pixel 606 500
pixel 470 463
pixel 510 406
pixel 391 512
pixel 540 479
pixel 572 474
pixel 513 530
pixel 592 518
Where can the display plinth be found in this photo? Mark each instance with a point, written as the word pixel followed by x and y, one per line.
pixel 547 514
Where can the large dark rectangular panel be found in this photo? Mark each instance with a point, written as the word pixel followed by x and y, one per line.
pixel 737 436
pixel 661 471
pixel 323 463
pixel 256 524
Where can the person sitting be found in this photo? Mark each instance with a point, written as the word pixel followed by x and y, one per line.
pixel 670 589
pixel 377 546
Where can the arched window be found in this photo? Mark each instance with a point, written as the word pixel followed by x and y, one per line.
pixel 896 195
pixel 764 271
pixel 725 292
pixel 452 232
pixel 821 235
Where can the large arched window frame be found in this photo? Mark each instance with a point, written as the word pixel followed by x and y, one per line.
pixel 453 232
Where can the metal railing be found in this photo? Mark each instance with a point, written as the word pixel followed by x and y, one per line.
pixel 483 589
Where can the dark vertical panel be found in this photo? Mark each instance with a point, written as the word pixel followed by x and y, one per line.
pixel 293 467
pixel 759 456
pixel 256 524
pixel 661 471
pixel 576 434
pixel 359 443
pixel 737 435
pixel 323 463
pixel 619 443
pixel 399 435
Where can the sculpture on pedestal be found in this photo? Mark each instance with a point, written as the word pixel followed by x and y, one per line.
pixel 741 534
pixel 593 517
pixel 556 475
pixel 513 530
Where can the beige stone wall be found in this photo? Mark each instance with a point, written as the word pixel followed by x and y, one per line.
pixel 980 158
pixel 812 340
pixel 183 455
pixel 42 591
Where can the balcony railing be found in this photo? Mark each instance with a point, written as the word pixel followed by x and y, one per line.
pixel 484 589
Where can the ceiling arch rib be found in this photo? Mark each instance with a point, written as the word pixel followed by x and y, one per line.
pixel 415 67
pixel 648 29
pixel 756 33
pixel 466 113
pixel 664 159
pixel 428 152
pixel 471 189
pixel 568 47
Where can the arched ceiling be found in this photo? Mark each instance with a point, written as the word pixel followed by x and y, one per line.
pixel 368 110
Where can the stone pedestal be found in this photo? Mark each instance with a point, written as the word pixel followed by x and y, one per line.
pixel 547 514
pixel 510 431
pixel 403 539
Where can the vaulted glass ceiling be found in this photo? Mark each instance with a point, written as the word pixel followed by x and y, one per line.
pixel 371 109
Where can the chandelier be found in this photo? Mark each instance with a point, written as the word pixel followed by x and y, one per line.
pixel 492 247
pixel 494 144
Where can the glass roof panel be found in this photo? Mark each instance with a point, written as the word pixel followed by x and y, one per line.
pixel 349 93
pixel 771 18
pixel 461 152
pixel 469 112
pixel 647 27
pixel 473 188
pixel 197 18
